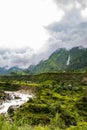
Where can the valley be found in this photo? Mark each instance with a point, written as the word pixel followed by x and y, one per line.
pixel 51 101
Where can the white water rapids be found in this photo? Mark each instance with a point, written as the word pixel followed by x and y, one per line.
pixel 17 99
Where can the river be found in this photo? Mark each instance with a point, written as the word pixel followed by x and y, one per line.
pixel 15 99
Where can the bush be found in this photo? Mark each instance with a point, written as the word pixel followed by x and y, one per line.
pixel 80 126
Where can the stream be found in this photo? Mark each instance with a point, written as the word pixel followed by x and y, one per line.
pixel 16 99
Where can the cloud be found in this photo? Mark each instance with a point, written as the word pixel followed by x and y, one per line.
pixel 21 57
pixel 65 4
pixel 15 57
pixel 71 31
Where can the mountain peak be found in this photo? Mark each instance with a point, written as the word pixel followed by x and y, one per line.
pixel 63 60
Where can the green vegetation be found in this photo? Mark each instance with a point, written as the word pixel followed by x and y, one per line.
pixel 61 60
pixel 58 61
pixel 60 102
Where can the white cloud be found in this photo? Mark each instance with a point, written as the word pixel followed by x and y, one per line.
pixel 16 57
pixel 22 22
pixel 65 4
pixel 69 32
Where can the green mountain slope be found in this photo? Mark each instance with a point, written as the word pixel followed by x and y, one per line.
pixel 62 60
pixel 12 70
pixel 78 58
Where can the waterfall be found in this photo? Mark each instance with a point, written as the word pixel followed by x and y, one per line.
pixel 68 61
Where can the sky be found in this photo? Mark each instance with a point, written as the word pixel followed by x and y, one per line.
pixel 22 22
pixel 30 30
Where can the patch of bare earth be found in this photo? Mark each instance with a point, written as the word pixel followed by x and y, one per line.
pixel 27 89
pixel 84 80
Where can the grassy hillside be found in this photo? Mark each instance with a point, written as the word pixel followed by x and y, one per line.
pixel 60 102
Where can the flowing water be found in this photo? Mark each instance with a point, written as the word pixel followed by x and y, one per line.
pixel 15 99
pixel 68 61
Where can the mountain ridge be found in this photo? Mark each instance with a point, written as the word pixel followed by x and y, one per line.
pixel 61 60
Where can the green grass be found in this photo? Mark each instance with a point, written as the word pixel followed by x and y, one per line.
pixel 60 102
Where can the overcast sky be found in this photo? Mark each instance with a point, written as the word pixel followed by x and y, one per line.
pixel 22 22
pixel 30 30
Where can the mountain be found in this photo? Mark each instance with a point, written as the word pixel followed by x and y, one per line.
pixel 14 69
pixel 62 60
pixel 4 70
pixel 78 58
pixel 55 62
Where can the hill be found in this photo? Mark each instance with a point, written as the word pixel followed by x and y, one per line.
pixel 62 60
